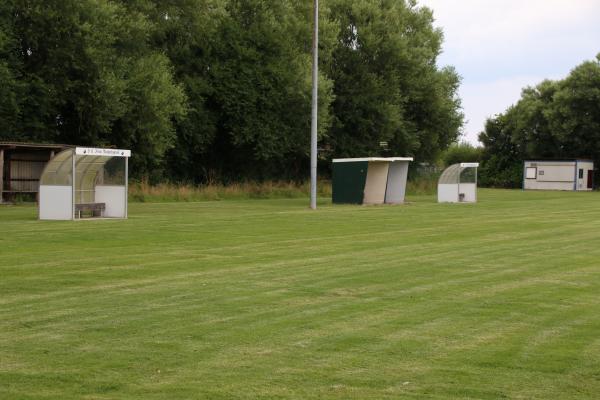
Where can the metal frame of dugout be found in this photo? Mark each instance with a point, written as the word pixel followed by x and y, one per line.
pixel 458 184
pixel 85 182
pixel 371 180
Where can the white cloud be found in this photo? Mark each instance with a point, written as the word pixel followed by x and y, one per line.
pixel 499 46
pixel 484 100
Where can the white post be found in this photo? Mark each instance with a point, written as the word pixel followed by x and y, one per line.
pixel 73 188
pixel 126 183
pixel 313 125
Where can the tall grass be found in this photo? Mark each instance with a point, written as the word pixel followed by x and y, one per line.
pixel 144 192
pixel 424 184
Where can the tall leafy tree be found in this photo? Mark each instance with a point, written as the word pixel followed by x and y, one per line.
pixel 501 156
pixel 220 89
pixel 89 76
pixel 461 152
pixel 387 86
pixel 555 119
pixel 10 85
pixel 245 66
pixel 574 113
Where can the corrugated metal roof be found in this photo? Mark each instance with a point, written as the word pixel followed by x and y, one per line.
pixel 36 145
pixel 559 160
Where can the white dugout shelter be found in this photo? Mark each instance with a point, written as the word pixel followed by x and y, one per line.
pixel 458 184
pixel 85 182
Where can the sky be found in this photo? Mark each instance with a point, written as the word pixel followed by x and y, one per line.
pixel 499 47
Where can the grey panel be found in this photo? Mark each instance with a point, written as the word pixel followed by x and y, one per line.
pixel 396 183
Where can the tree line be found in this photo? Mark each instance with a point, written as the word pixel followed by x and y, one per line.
pixel 219 90
pixel 556 119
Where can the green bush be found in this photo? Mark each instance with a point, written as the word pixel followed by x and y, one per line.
pixel 461 152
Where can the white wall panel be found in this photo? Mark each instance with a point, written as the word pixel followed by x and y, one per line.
pixel 532 184
pixel 470 192
pixel 555 173
pixel 447 193
pixel 56 202
pixel 114 198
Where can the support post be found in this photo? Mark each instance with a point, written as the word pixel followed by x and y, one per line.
pixel 1 175
pixel 315 107
pixel 475 184
pixel 126 183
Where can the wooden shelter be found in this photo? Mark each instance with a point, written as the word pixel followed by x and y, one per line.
pixel 21 165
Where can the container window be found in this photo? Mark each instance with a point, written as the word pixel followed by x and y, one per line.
pixel 531 173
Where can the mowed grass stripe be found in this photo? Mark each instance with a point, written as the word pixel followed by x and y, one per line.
pixel 265 299
pixel 306 266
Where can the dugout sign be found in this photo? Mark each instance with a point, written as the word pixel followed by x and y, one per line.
pixel 93 151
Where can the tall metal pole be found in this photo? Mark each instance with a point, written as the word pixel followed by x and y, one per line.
pixel 74 187
pixel 313 125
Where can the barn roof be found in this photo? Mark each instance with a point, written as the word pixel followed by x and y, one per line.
pixel 12 145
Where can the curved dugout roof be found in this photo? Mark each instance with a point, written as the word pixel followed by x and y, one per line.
pixel 59 170
pixel 452 173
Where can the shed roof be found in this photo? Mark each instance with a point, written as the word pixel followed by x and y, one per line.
pixel 6 144
pixel 372 159
pixel 560 160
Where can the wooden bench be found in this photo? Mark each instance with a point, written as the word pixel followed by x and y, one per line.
pixel 93 207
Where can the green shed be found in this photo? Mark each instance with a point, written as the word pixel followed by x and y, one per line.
pixel 372 180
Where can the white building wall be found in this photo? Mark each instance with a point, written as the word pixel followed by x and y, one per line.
pixel 550 175
pixel 549 186
pixel 558 175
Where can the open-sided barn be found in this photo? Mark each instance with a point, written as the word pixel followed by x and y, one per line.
pixel 21 165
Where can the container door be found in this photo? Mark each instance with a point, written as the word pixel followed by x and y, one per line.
pixel 349 182
pixel 590 179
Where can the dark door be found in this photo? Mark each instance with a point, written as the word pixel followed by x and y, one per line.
pixel 590 183
pixel 348 182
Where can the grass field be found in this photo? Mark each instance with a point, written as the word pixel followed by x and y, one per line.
pixel 265 299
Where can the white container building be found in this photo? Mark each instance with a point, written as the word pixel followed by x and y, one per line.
pixel 573 175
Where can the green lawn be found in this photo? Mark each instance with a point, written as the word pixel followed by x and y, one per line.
pixel 265 299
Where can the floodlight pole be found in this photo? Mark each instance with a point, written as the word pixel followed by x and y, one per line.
pixel 73 187
pixel 313 125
